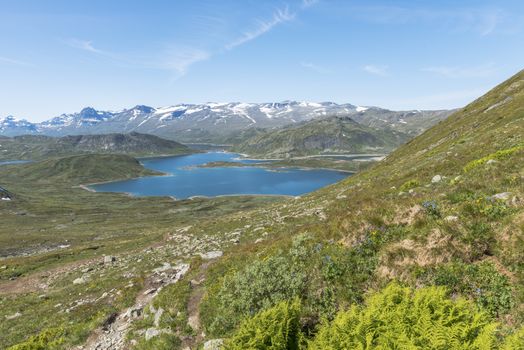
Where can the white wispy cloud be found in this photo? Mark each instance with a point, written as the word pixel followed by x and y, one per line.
pixel 308 3
pixel 279 16
pixel 85 45
pixel 481 20
pixel 376 70
pixel 15 62
pixel 314 67
pixel 180 59
pixel 176 59
pixel 481 71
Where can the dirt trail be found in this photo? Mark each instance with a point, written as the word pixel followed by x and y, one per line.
pixel 112 334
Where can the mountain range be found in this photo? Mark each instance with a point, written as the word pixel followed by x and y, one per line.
pixel 215 122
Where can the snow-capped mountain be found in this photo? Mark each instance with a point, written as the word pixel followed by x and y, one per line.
pixel 185 122
pixel 10 126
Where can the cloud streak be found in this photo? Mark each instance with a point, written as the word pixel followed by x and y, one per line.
pixel 279 16
pixel 376 70
pixel 86 45
pixel 483 21
pixel 314 67
pixel 11 61
pixel 180 59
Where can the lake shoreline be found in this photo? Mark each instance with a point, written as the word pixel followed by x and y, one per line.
pixel 193 179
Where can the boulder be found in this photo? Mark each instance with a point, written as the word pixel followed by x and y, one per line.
pixel 108 259
pixel 151 333
pixel 436 179
pixel 80 280
pixel 501 196
pixel 451 218
pixel 213 344
pixel 158 316
pixel 211 255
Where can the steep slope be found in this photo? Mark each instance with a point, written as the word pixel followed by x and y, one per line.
pixel 327 251
pixel 445 209
pixel 214 122
pixel 329 135
pixel 39 147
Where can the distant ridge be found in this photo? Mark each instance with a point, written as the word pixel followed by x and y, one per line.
pixel 215 122
pixel 136 144
pixel 330 135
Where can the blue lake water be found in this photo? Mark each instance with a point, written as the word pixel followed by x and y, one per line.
pixel 185 179
pixel 11 162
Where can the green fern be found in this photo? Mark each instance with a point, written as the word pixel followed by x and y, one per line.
pixel 399 318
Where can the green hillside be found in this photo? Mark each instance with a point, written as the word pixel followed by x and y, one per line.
pixel 421 251
pixel 445 209
pixel 36 147
pixel 80 169
pixel 322 136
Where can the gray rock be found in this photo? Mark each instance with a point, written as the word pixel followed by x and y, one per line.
pixel 80 280
pixel 211 255
pixel 166 266
pixel 213 344
pixel 151 333
pixel 451 218
pixel 13 316
pixel 158 316
pixel 436 179
pixel 502 196
pixel 193 322
pixel 108 259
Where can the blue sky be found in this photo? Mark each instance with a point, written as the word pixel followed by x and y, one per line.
pixel 57 56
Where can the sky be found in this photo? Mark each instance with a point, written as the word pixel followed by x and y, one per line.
pixel 58 56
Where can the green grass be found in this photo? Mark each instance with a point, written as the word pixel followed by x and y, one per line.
pixel 363 233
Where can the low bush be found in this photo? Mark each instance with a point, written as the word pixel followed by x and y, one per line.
pixel 400 318
pixel 408 185
pixel 50 338
pixel 502 154
pixel 277 328
pixel 480 282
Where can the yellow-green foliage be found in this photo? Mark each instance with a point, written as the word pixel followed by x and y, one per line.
pixel 408 185
pixel 276 328
pixel 400 318
pixel 514 341
pixel 47 339
pixel 502 154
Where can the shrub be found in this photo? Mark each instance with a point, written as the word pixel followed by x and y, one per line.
pixel 50 338
pixel 502 154
pixel 400 318
pixel 432 209
pixel 481 282
pixel 490 208
pixel 276 328
pixel 514 341
pixel 260 285
pixel 408 185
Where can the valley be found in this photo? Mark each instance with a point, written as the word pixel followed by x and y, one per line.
pixel 105 271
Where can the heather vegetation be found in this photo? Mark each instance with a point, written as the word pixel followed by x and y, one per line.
pixel 422 250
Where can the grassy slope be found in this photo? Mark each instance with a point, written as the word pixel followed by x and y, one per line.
pixel 327 135
pixel 370 219
pixel 409 242
pixel 35 147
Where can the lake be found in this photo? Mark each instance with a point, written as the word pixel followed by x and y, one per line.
pixel 12 162
pixel 186 179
